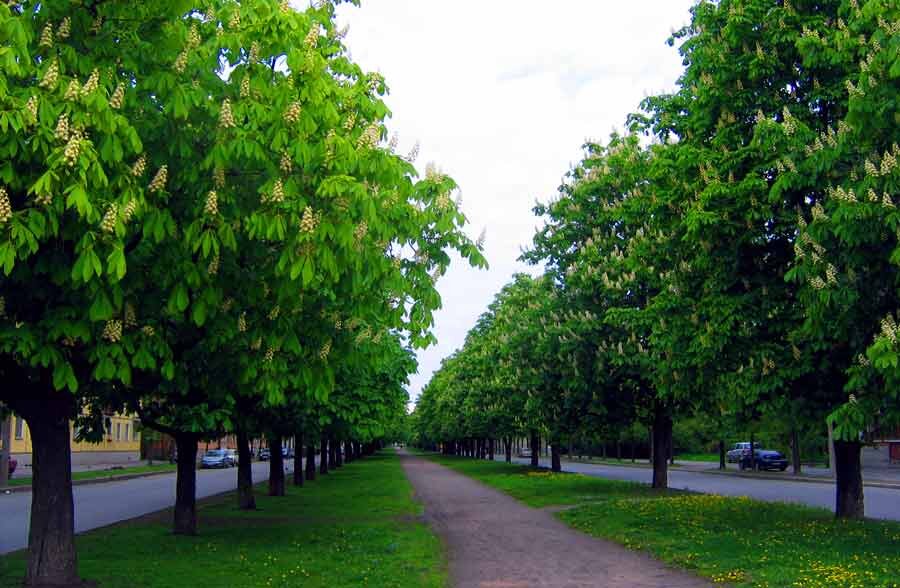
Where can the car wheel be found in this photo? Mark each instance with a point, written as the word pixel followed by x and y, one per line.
pixel 783 468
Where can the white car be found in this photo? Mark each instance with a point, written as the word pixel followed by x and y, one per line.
pixel 737 451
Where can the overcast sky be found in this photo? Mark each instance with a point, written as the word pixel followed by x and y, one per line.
pixel 501 94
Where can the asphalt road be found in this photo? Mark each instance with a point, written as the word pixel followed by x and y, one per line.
pixel 881 503
pixel 98 505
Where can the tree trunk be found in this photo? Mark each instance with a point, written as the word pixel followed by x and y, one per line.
pixel 633 449
pixel 51 538
pixel 848 480
pixel 555 462
pixel 491 449
pixel 535 449
pixel 671 447
pixel 246 500
pixel 298 459
pixel 276 466
pixel 662 434
pixel 507 445
pixel 752 451
pixel 795 451
pixel 338 454
pixel 323 458
pixel 186 485
pixel 6 442
pixel 722 462
pixel 332 454
pixel 618 449
pixel 310 462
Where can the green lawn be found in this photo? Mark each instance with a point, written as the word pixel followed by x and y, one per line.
pixel 358 526
pixel 108 473
pixel 712 457
pixel 734 541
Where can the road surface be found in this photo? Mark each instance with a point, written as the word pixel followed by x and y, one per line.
pixel 98 505
pixel 881 503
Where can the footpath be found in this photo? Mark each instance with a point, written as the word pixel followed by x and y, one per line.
pixel 494 541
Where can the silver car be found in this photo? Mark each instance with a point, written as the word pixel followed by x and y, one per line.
pixel 217 458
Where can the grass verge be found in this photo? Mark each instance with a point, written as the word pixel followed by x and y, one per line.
pixel 358 526
pixel 735 541
pixel 107 473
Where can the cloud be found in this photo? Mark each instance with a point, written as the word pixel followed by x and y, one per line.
pixel 502 94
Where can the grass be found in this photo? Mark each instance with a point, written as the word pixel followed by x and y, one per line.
pixel 710 457
pixel 358 526
pixel 734 541
pixel 107 473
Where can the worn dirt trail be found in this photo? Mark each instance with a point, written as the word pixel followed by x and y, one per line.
pixel 495 541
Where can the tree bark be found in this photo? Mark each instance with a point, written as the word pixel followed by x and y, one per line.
pixel 555 462
pixel 276 466
pixel 491 449
pixel 52 559
pixel 185 522
pixel 332 454
pixel 535 449
pixel 338 454
pixel 848 480
pixel 662 429
pixel 752 451
pixel 298 459
pixel 795 451
pixel 722 462
pixel 310 462
pixel 507 445
pixel 246 500
pixel 323 458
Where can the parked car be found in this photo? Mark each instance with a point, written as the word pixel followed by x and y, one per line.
pixel 217 458
pixel 287 452
pixel 233 454
pixel 264 454
pixel 525 452
pixel 737 451
pixel 13 463
pixel 766 459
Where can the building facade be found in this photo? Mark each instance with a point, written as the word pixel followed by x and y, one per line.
pixel 121 442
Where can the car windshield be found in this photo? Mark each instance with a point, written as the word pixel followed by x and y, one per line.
pixel 770 453
pixel 215 453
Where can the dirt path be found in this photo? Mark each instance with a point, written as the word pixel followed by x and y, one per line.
pixel 495 541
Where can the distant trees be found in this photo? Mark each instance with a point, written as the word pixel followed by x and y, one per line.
pixel 743 262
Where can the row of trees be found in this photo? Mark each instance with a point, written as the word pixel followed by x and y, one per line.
pixel 741 262
pixel 201 222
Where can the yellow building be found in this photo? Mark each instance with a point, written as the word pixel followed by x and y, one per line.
pixel 121 442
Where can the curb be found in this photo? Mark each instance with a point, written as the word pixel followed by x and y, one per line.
pixel 104 480
pixel 100 480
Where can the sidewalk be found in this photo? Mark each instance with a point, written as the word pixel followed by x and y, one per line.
pixel 495 541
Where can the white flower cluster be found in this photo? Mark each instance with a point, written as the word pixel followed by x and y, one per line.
pixel 889 328
pixel 312 37
pixel 325 350
pixel 292 114
pixel 73 91
pixel 309 221
pixel 130 316
pixel 273 314
pixel 62 128
pixel 73 147
pixel 112 331
pixel 108 224
pixel 413 154
pixel 226 117
pixel 242 323
pixel 5 207
pixel 211 206
pixel 139 167
pixel 158 184
pixel 128 211
pixel 286 164
pixel 51 76
pixel 118 97
pixel 270 355
pixel 46 36
pixel 91 85
pixel 370 137
pixel 360 232
pixel 31 106
pixel 245 87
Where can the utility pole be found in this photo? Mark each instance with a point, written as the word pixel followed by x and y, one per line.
pixel 5 449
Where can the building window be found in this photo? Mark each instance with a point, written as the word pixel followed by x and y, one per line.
pixel 20 428
pixel 118 431
pixel 127 427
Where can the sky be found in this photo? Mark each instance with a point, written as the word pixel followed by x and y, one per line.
pixel 500 95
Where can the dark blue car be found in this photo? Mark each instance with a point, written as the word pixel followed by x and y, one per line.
pixel 766 459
